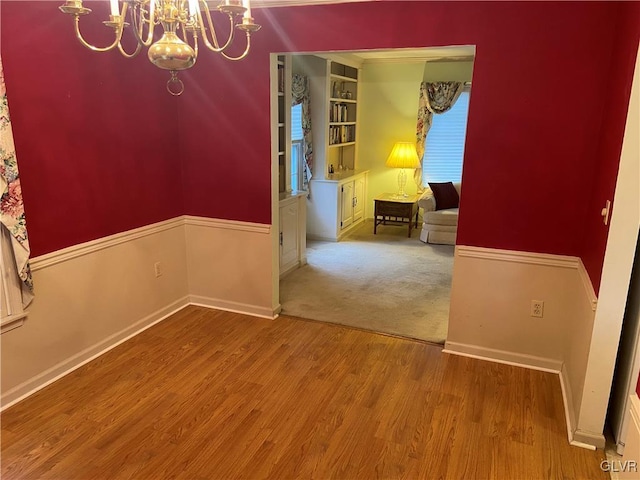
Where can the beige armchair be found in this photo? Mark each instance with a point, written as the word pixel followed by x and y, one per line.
pixel 438 226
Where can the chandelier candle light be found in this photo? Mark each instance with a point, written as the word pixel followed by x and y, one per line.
pixel 403 155
pixel 189 18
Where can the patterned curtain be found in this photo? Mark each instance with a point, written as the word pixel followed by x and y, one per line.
pixel 436 97
pixel 11 209
pixel 301 93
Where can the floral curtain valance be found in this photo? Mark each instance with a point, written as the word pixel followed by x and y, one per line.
pixel 11 208
pixel 438 98
pixel 300 93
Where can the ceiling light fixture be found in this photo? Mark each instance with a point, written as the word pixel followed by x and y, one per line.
pixel 189 18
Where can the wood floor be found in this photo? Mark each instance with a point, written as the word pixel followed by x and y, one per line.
pixel 215 395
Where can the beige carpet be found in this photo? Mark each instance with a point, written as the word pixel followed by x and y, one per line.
pixel 386 283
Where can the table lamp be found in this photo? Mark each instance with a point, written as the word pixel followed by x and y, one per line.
pixel 403 155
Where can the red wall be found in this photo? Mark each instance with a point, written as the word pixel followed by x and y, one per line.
pixel 225 137
pixel 617 92
pixel 535 121
pixel 106 157
pixel 95 133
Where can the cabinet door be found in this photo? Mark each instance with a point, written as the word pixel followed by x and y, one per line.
pixel 288 235
pixel 346 202
pixel 358 202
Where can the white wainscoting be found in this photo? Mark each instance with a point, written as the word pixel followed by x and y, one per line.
pixel 490 316
pixel 93 296
pixel 229 265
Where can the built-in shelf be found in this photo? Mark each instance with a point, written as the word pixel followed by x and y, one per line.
pixel 343 78
pixel 338 190
pixel 343 100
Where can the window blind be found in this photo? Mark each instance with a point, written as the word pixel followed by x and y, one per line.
pixel 296 122
pixel 444 149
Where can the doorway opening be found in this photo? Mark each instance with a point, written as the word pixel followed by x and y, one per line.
pixel 342 276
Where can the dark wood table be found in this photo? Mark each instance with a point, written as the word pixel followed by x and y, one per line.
pixel 393 210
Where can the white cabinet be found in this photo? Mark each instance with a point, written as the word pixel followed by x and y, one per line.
pixel 346 203
pixel 352 201
pixel 359 191
pixel 336 205
pixel 352 195
pixel 292 235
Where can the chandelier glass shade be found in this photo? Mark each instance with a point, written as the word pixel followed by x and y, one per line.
pixel 183 24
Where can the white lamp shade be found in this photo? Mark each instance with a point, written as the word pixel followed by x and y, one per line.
pixel 403 155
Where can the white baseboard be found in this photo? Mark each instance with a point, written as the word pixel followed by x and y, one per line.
pixel 320 238
pixel 235 307
pixel 502 356
pixel 74 362
pixel 567 399
pixel 588 440
pixel 575 438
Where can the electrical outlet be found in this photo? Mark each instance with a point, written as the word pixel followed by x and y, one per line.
pixel 157 268
pixel 537 308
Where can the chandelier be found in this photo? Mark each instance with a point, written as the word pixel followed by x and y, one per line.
pixel 182 21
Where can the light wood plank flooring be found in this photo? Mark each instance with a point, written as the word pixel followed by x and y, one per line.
pixel 216 395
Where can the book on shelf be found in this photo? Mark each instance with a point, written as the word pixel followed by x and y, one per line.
pixel 339 113
pixel 342 134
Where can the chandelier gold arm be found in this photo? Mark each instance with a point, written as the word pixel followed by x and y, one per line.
pixel 138 23
pixel 244 54
pixel 129 55
pixel 213 45
pixel 116 22
pixel 118 32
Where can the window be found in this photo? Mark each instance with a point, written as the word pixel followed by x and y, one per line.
pixel 297 156
pixel 297 148
pixel 11 312
pixel 444 147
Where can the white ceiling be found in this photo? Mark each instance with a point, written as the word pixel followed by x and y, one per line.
pixel 406 55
